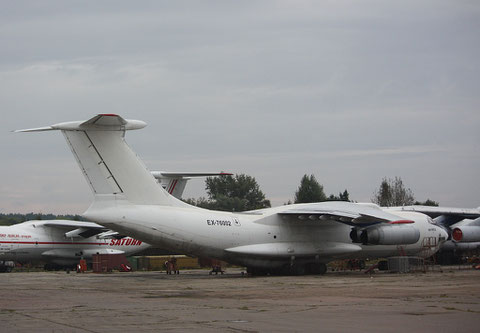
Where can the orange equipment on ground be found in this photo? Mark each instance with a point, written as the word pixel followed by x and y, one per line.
pixel 82 266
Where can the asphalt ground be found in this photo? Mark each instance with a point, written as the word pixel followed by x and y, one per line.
pixel 440 301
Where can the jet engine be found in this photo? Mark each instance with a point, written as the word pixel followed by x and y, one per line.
pixel 386 235
pixel 355 235
pixel 466 233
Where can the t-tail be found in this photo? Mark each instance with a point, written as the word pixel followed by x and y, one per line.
pixel 113 171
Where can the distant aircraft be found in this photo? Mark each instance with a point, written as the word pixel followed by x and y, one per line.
pixel 62 243
pixel 464 233
pixel 174 182
pixel 291 239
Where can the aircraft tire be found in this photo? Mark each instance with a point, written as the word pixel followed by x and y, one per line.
pixel 318 268
pixel 298 270
pixel 254 271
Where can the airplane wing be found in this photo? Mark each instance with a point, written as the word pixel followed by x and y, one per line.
pixel 433 212
pixel 110 234
pixel 352 214
pixel 73 253
pixel 444 216
pixel 76 228
pixel 360 215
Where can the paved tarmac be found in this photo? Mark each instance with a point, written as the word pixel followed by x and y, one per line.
pixel 194 301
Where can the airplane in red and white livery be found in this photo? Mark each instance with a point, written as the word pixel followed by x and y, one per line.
pixel 60 243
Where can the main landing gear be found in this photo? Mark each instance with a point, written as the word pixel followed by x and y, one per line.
pixel 291 269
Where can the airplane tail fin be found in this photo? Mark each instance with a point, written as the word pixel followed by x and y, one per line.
pixel 111 168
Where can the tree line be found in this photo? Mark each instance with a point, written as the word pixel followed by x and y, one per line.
pixel 241 192
pixel 14 218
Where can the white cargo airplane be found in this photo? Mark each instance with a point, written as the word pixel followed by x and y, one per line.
pixel 62 243
pixel 294 239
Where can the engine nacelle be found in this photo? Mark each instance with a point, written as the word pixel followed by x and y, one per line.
pixel 467 233
pixel 355 235
pixel 390 235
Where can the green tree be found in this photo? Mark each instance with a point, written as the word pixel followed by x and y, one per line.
pixel 428 202
pixel 392 192
pixel 228 193
pixel 309 191
pixel 14 218
pixel 345 196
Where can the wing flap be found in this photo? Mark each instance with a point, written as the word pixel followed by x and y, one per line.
pixel 343 212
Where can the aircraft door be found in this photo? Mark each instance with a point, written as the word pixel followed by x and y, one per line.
pixel 8 246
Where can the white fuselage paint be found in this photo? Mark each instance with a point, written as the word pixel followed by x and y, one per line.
pixel 128 199
pixel 213 234
pixel 32 241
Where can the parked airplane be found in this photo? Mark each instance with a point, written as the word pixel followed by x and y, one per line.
pixel 295 239
pixel 174 182
pixel 464 233
pixel 61 242
pixel 65 242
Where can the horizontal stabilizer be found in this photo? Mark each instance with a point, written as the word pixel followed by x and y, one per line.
pixel 166 174
pixel 114 172
pixel 101 122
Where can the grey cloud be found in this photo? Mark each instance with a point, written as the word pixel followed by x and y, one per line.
pixel 349 91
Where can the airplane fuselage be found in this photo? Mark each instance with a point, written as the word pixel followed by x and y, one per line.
pixel 296 238
pixel 260 238
pixel 32 241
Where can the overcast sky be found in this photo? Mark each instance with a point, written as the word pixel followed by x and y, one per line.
pixel 350 91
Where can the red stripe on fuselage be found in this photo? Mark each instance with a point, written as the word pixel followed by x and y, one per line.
pixel 51 243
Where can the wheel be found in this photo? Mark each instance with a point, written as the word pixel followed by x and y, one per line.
pixel 319 268
pixel 254 271
pixel 298 269
pixel 383 265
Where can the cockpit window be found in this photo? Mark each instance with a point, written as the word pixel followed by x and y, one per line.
pixel 429 220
